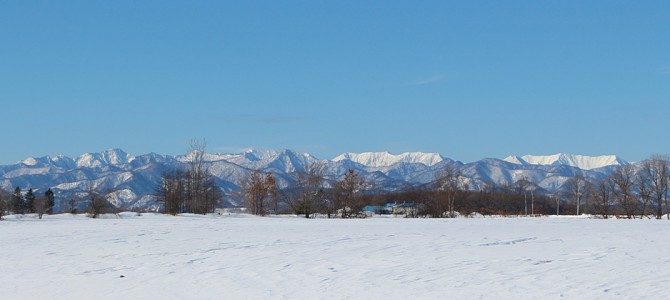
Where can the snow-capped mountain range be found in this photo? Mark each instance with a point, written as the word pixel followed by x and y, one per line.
pixel 133 179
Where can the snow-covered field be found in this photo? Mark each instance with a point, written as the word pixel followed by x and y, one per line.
pixel 243 257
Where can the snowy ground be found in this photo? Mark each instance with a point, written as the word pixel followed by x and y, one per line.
pixel 197 257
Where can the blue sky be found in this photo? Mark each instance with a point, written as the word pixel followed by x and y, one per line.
pixel 467 79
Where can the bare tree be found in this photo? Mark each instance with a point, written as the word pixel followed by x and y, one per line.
pixel 307 194
pixel 73 204
pixel 98 204
pixel 601 197
pixel 257 189
pixel 171 192
pixel 644 191
pixel 449 184
pixel 255 193
pixel 40 206
pixel 623 180
pixel 576 187
pixel 347 195
pixel 329 207
pixel 196 171
pixel 190 190
pixel 273 192
pixel 210 195
pixel 657 171
pixel 182 192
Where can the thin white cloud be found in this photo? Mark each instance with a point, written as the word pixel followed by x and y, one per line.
pixel 423 81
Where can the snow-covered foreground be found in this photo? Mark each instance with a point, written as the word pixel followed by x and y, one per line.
pixel 198 257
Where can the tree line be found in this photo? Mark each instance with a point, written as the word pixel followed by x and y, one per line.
pixel 307 195
pixel 94 203
pixel 20 203
pixel 630 191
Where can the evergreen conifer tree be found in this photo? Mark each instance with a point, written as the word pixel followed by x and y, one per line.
pixel 49 195
pixel 29 200
pixel 17 205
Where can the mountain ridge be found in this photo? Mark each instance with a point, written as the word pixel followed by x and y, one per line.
pixel 380 159
pixel 134 178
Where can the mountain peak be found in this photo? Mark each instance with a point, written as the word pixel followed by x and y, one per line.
pixel 116 156
pixel 107 157
pixel 30 161
pixel 260 154
pixel 579 161
pixel 383 159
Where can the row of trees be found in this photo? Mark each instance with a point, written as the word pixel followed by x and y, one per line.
pixel 629 191
pixel 449 195
pixel 308 194
pixel 94 201
pixel 20 203
pixel 632 190
pixel 191 190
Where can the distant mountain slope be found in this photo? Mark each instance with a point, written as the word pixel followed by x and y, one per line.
pixel 134 178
